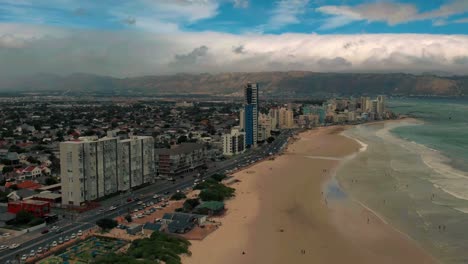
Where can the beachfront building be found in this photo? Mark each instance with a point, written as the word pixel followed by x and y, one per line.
pixel 251 114
pixel 286 118
pixel 180 159
pixel 274 115
pixel 234 142
pixel 265 125
pixel 92 168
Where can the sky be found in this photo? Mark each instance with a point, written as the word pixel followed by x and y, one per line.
pixel 152 37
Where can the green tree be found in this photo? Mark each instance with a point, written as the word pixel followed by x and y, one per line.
pixel 7 169
pixel 106 223
pixel 219 177
pixel 182 139
pixel 129 218
pixel 23 217
pixel 51 181
pixel 178 196
pixel 190 204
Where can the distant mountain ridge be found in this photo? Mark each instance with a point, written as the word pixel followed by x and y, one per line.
pixel 290 84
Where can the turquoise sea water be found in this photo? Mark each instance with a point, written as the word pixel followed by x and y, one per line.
pixel 414 174
pixel 445 126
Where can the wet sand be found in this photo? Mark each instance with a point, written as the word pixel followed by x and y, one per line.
pixel 284 212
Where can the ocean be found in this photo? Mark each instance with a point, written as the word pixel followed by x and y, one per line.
pixel 414 174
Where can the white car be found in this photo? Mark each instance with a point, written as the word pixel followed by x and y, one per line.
pixel 6 234
pixel 139 202
pixel 13 246
pixel 33 253
pixel 54 244
pixel 80 233
pixel 24 257
pixel 112 208
pixel 73 236
pixel 67 239
pixel 3 247
pixel 39 250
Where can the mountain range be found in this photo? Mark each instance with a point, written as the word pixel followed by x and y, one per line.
pixel 274 84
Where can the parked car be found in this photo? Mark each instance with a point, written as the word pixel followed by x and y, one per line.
pixel 45 231
pixel 54 244
pixel 32 253
pixel 39 250
pixel 80 233
pixel 24 257
pixel 3 247
pixel 13 246
pixel 73 236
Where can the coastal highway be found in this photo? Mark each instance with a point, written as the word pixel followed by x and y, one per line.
pixel 87 220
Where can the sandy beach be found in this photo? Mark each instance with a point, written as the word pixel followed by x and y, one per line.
pixel 288 210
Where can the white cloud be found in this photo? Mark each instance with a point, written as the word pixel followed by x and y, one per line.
pixel 461 21
pixel 286 12
pixel 24 50
pixel 391 13
pixel 241 3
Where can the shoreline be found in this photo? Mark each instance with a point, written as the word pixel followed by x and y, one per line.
pixel 272 222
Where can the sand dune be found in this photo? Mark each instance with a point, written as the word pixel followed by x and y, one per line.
pixel 284 212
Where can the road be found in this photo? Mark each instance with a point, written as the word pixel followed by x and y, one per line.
pixel 87 220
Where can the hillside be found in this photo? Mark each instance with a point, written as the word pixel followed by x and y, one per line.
pixel 289 84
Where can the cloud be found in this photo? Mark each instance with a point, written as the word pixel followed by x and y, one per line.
pixel 461 21
pixel 286 12
pixel 191 58
pixel 334 63
pixel 129 21
pixel 80 11
pixel 392 13
pixel 239 49
pixel 146 15
pixel 241 3
pixel 25 50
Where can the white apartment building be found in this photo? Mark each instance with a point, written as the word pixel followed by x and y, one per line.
pixel 274 114
pixel 92 168
pixel 234 142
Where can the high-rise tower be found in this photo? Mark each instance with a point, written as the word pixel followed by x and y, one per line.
pixel 251 113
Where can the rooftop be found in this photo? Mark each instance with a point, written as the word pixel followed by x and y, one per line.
pixel 180 149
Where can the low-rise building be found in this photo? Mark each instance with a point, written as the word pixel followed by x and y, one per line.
pixel 180 159
pixel 35 207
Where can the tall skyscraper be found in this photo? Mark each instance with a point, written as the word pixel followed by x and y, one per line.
pixel 92 168
pixel 251 113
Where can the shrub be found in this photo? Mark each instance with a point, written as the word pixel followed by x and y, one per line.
pixel 178 196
